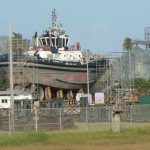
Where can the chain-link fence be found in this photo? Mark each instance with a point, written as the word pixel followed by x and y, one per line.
pixel 58 119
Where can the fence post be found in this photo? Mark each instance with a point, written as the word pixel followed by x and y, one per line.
pixel 131 114
pixel 9 123
pixel 60 119
pixel 110 112
pixel 36 120
pixel 86 114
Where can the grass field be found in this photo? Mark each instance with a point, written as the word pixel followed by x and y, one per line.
pixel 91 137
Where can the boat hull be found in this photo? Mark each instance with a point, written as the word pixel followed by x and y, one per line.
pixel 63 77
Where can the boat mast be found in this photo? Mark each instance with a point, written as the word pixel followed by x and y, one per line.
pixel 54 18
pixel 53 27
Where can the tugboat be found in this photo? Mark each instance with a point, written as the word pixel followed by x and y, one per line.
pixel 59 65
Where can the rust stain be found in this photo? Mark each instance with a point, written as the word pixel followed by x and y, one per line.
pixel 81 77
pixel 6 77
pixel 69 76
pixel 46 78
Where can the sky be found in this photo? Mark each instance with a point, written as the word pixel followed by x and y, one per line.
pixel 100 25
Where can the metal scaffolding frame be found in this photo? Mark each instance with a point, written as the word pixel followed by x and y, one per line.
pixel 147 37
pixel 22 75
pixel 117 77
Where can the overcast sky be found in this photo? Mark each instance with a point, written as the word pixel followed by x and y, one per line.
pixel 99 25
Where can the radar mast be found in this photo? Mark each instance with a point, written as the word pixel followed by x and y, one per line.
pixel 54 18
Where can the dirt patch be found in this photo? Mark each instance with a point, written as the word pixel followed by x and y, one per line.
pixel 139 146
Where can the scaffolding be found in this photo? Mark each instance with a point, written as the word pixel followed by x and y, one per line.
pixel 101 69
pixel 23 76
pixel 117 77
pixel 147 37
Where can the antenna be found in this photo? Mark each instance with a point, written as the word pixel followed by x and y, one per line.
pixel 54 18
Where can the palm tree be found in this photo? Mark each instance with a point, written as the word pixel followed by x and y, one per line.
pixel 128 46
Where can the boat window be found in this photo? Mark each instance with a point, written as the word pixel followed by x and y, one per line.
pixel 40 42
pixel 53 42
pixel 63 42
pixel 66 42
pixel 48 41
pixel 43 41
pixel 59 43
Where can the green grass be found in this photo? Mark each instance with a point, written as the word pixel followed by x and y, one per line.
pixel 20 139
pixel 126 136
pixel 68 137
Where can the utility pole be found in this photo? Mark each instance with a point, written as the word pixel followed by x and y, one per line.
pixel 87 62
pixel 11 81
